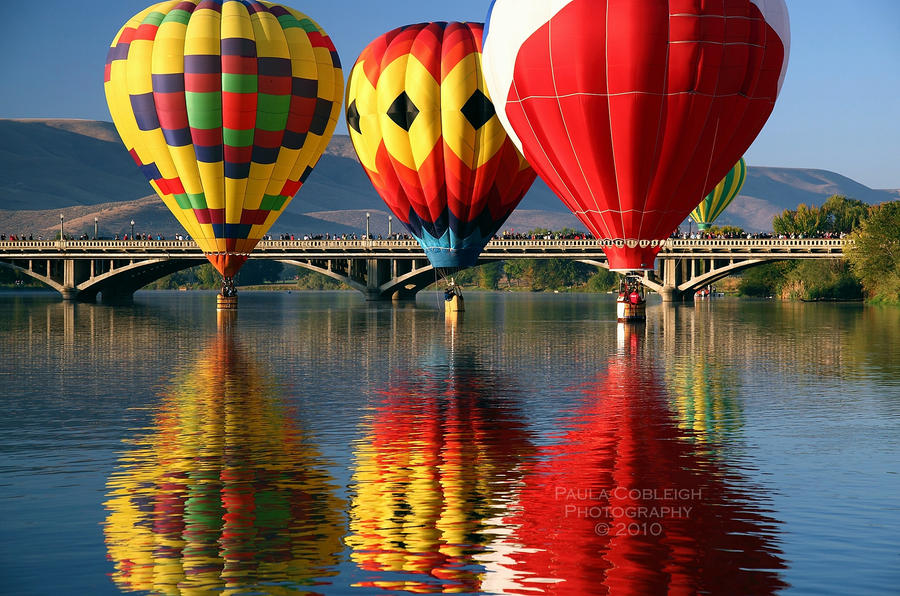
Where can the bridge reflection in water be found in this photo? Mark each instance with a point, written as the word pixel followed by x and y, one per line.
pixel 382 269
pixel 225 492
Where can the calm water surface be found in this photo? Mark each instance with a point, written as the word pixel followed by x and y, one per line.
pixel 318 444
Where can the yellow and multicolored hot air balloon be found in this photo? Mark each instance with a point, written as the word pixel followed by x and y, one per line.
pixel 721 196
pixel 226 106
pixel 428 137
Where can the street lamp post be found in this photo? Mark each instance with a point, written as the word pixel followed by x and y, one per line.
pixel 368 215
pixel 62 230
pixel 96 234
pixel 132 230
pixel 390 221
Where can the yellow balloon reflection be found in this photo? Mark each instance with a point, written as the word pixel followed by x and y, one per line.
pixel 224 493
pixel 437 465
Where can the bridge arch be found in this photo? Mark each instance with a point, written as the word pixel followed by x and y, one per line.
pixel 377 279
pixel 47 281
pixel 309 266
pixel 115 280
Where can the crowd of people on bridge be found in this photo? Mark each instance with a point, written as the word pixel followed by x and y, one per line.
pixel 678 234
pixel 506 235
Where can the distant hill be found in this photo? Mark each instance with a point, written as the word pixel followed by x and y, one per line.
pixel 80 168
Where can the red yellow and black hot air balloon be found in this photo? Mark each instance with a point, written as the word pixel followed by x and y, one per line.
pixel 226 106
pixel 630 110
pixel 427 135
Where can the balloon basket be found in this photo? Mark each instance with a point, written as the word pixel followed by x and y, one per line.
pixel 454 304
pixel 226 302
pixel 628 312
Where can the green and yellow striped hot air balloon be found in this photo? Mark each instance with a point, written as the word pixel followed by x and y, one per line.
pixel 721 196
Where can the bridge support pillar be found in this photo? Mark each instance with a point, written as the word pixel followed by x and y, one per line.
pixel 378 272
pixel 670 294
pixel 70 294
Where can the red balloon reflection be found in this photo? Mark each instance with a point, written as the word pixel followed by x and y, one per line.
pixel 627 504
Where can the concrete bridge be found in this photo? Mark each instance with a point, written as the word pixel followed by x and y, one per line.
pixel 381 269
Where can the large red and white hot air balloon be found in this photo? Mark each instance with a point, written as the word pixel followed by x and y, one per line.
pixel 631 109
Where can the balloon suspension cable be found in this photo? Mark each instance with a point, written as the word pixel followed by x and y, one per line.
pixel 228 288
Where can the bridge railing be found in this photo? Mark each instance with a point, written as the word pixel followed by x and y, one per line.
pixel 756 242
pixel 672 244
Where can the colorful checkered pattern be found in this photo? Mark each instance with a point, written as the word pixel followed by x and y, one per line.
pixel 226 106
pixel 429 140
pixel 721 196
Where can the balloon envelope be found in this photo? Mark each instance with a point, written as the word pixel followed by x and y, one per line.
pixel 426 134
pixel 721 196
pixel 225 106
pixel 631 109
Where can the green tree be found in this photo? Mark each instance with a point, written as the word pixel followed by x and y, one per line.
pixel 822 280
pixel 520 270
pixel 558 274
pixel 260 271
pixel 804 221
pixel 725 231
pixel 488 276
pixel 765 280
pixel 13 278
pixel 843 215
pixel 603 280
pixel 207 277
pixel 838 215
pixel 874 253
pixel 312 280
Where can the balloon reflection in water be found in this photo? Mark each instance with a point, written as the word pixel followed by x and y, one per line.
pixel 625 504
pixel 225 493
pixel 439 462
pixel 702 399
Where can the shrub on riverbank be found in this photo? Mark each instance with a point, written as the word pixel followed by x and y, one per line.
pixel 875 253
pixel 804 280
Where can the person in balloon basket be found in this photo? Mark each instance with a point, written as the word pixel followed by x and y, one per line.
pixel 451 291
pixel 634 297
pixel 630 292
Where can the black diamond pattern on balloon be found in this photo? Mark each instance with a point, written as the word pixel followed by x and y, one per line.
pixel 478 110
pixel 403 111
pixel 353 117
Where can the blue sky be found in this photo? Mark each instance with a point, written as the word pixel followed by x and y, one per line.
pixel 839 109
